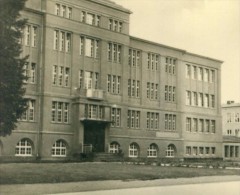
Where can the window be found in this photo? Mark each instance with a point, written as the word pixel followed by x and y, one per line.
pixel 212 76
pixel 116 117
pixel 94 111
pixel 201 150
pixel 59 149
pixel 229 117
pixel 213 150
pixel 195 151
pixel 237 117
pixel 30 35
pixel 195 99
pixel 194 72
pixel 152 92
pixel 201 125
pixel 133 119
pixel 115 25
pixel 152 151
pixel 213 126
pixel 69 12
pixel 188 97
pixel 206 75
pixel 114 148
pixel 152 120
pixel 229 132
pixel 188 71
pixel 170 65
pixel 212 101
pixel 170 122
pixel 29 114
pixel 114 52
pixel 171 150
pixel 60 76
pixel 188 150
pixel 200 74
pixel 200 99
pixel 24 148
pixel 188 124
pixel 207 149
pixel 133 150
pixel 133 88
pixel 114 84
pixel 207 123
pixel 83 16
pixel 89 47
pixel 60 112
pixel 57 9
pixel 206 100
pixel 62 41
pixel 170 93
pixel 152 61
pixel 90 19
pixel 30 72
pixel 134 58
pixel 195 124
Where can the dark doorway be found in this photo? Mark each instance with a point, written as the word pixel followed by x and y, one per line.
pixel 94 134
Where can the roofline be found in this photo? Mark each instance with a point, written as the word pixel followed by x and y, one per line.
pixel 197 55
pixel 157 44
pixel 112 4
pixel 174 48
pixel 231 105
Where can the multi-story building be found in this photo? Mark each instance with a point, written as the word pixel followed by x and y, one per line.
pixel 92 86
pixel 231 130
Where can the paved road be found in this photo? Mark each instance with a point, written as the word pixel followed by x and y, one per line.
pixel 98 186
pixel 223 188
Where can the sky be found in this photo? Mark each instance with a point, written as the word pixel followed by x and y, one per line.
pixel 206 27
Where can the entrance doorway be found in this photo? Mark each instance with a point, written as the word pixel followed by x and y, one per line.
pixel 94 134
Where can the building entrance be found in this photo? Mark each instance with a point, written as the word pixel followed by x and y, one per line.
pixel 94 135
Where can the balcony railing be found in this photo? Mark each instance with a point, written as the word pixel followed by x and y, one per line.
pixel 95 94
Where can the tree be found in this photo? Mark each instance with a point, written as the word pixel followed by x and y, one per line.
pixel 12 103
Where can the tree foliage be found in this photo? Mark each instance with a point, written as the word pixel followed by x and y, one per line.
pixel 12 103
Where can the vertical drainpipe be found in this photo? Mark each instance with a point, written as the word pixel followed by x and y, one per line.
pixel 40 87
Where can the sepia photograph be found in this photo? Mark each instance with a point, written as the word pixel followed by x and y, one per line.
pixel 110 97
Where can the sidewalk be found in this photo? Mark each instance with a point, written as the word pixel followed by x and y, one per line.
pixel 34 189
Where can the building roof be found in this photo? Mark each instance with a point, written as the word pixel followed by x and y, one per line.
pixel 173 48
pixel 112 4
pixel 231 104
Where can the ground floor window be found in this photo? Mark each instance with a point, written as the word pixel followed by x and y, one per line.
pixel 24 148
pixel 152 151
pixel 171 150
pixel 133 150
pixel 59 149
pixel 114 147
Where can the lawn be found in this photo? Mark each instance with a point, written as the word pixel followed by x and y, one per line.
pixel 27 173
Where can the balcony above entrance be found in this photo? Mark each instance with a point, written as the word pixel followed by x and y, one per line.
pixel 96 94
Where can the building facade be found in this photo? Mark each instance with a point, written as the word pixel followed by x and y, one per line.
pixel 231 130
pixel 93 87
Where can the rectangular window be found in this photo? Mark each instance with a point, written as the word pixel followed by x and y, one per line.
pixel 57 9
pixel 81 79
pixel 188 150
pixel 213 126
pixel 66 77
pixel 201 150
pixel 188 124
pixel 60 112
pixel 63 14
pixel 166 121
pixel 195 125
pixel 166 93
pixel 60 75
pixel 200 99
pixel 206 75
pixel 133 119
pixel 116 117
pixel 207 123
pixel 201 125
pixel 156 92
pixel 194 72
pixel 83 16
pixel 170 122
pixel 56 34
pixel 54 75
pixel 212 76
pixel 34 36
pixel 212 101
pixel 200 74
pixel 29 114
pixel 195 151
pixel 62 41
pixel 188 97
pixel 32 75
pixel 148 90
pixel 27 34
pixel 188 71
pixel 206 100
pixel 90 19
pixel 69 12
pixel 110 24
pixel 148 61
pixel 169 93
pixel 195 100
